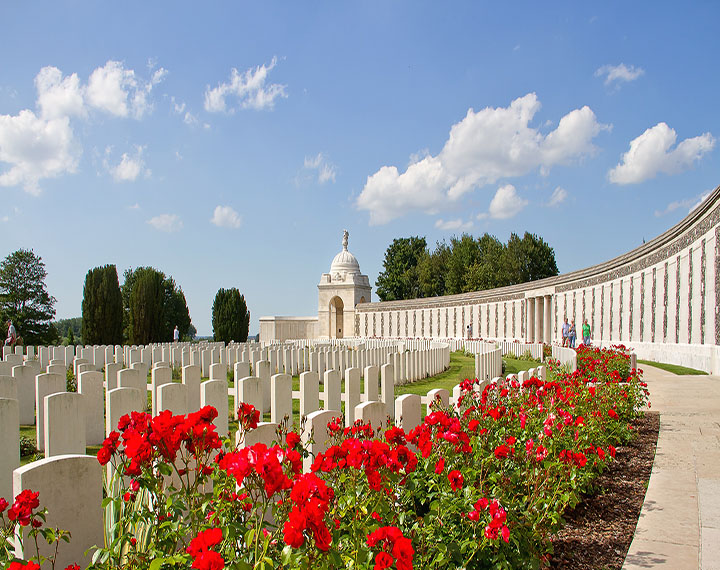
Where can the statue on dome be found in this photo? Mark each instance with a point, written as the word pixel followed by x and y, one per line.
pixel 346 235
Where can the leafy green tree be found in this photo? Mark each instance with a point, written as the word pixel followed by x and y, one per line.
pixel 70 338
pixel 172 311
pixel 102 307
pixel 147 308
pixel 176 310
pixel 399 278
pixel 230 316
pixel 464 254
pixel 488 271
pixel 529 258
pixel 64 325
pixel 24 297
pixel 432 269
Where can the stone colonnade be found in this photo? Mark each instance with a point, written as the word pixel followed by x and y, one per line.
pixel 661 299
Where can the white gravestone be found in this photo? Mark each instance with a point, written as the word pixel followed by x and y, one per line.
pixel 64 424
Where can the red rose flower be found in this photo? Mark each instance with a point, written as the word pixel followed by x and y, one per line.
pixel 456 479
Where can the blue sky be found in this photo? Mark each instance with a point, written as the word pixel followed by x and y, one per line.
pixel 228 144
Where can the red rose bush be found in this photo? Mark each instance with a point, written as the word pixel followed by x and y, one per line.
pixel 482 484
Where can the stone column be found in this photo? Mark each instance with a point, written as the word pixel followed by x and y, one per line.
pixel 538 319
pixel 547 337
pixel 530 313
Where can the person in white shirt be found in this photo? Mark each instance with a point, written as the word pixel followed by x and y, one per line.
pixel 11 334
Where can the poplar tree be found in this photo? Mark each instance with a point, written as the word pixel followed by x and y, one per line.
pixel 230 316
pixel 102 309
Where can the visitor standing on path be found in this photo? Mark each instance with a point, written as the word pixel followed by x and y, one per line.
pixel 586 333
pixel 565 332
pixel 11 334
pixel 572 334
pixel 176 334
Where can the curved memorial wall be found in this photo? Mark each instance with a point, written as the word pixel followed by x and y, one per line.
pixel 661 299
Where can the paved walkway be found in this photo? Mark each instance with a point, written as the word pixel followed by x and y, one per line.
pixel 679 526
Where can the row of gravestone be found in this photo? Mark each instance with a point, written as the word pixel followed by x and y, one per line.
pixel 71 484
pixel 67 422
pixel 423 360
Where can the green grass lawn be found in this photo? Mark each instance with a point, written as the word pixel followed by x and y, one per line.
pixel 674 368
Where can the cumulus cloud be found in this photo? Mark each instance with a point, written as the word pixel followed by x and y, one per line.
pixel 617 74
pixel 226 217
pixel 559 195
pixel 42 144
pixel 118 91
pixel 650 154
pixel 130 166
pixel 248 88
pixel 505 204
pixel 58 96
pixel 36 148
pixel 482 148
pixel 453 225
pixel 321 167
pixel 166 223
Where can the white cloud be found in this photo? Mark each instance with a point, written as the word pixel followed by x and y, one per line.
pixel 135 206
pixel 326 171
pixel 482 148
pixel 58 96
pixel 690 204
pixel 166 223
pixel 36 148
pixel 43 145
pixel 617 74
pixel 650 154
pixel 453 225
pixel 118 91
pixel 130 166
pixel 226 217
pixel 248 87
pixel 505 204
pixel 559 195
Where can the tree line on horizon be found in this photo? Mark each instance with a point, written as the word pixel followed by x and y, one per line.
pixel 145 309
pixel 411 270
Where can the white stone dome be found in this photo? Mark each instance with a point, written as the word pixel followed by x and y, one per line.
pixel 344 262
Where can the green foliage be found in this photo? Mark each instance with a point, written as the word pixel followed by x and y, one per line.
pixel 63 327
pixel 70 381
pixel 176 310
pixel 102 308
pixel 464 254
pixel 230 316
pixel 70 338
pixel 27 447
pixel 147 308
pixel 466 264
pixel 529 258
pixel 153 305
pixel 399 278
pixel 24 297
pixel 432 269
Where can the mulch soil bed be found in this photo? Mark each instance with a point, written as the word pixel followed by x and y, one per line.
pixel 599 530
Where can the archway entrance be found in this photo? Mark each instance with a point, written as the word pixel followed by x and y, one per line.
pixel 336 317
